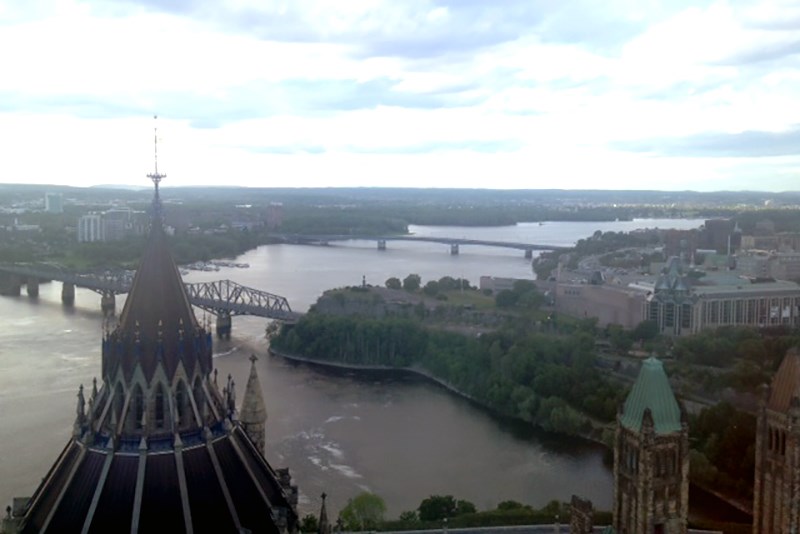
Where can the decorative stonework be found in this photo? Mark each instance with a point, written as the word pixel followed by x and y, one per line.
pixel 776 501
pixel 651 459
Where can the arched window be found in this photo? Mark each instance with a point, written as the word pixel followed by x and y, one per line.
pixel 138 407
pixel 119 402
pixel 180 403
pixel 159 406
pixel 199 397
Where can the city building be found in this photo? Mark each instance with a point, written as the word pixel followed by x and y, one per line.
pixel 685 301
pixel 651 458
pixel 776 501
pixel 90 228
pixel 160 447
pixel 681 304
pixel 54 203
pixel 778 265
pixel 111 225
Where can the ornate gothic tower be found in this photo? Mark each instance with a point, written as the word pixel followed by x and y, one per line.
pixel 253 414
pixel 776 502
pixel 158 448
pixel 651 458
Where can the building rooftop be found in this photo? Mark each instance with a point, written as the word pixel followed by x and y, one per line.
pixel 652 391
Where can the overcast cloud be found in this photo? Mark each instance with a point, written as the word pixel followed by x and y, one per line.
pixel 621 94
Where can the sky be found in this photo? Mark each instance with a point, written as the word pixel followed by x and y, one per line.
pixel 510 94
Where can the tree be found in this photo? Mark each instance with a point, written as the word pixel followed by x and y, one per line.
pixel 409 516
pixel 431 288
pixel 465 507
pixel 437 507
pixel 505 299
pixel 412 282
pixel 363 512
pixel 510 505
pixel 394 283
pixel 309 523
pixel 646 330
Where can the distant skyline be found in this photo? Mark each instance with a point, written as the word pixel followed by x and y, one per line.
pixel 515 94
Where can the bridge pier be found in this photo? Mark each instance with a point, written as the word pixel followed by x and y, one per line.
pixel 108 304
pixel 381 244
pixel 454 249
pixel 224 325
pixel 32 287
pixel 528 253
pixel 10 285
pixel 68 294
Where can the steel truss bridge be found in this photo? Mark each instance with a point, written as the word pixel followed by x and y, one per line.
pixel 222 298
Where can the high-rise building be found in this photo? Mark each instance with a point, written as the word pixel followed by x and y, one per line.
pixel 54 203
pixel 159 447
pixel 776 501
pixel 90 228
pixel 651 458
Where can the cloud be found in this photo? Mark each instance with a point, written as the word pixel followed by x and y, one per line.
pixel 748 144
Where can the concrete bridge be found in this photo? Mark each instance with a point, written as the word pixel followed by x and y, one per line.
pixel 453 242
pixel 223 298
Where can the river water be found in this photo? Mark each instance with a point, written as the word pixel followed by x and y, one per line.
pixel 341 433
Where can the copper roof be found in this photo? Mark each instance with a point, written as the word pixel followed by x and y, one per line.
pixel 652 391
pixel 786 382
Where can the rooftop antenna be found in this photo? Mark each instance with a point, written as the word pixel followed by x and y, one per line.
pixel 156 176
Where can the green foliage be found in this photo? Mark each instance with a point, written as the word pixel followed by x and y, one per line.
pixel 309 523
pixel 543 379
pixel 363 512
pixel 724 439
pixel 412 282
pixel 438 507
pixel 431 288
pixel 394 283
pixel 409 516
pixel 645 331
pixel 510 505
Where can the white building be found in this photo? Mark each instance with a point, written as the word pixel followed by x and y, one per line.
pixel 90 228
pixel 54 203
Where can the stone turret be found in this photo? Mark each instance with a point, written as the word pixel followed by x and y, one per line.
pixel 651 457
pixel 776 500
pixel 253 414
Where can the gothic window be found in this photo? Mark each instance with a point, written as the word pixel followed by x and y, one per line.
pixel 119 401
pixel 199 398
pixel 653 312
pixel 138 407
pixel 669 315
pixel 686 316
pixel 180 402
pixel 159 406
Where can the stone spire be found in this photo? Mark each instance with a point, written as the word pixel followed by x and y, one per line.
pixel 80 413
pixel 324 525
pixel 253 414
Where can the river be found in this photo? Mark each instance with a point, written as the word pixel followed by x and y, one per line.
pixel 341 433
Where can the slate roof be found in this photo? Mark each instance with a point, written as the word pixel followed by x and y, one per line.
pixel 228 486
pixel 156 311
pixel 652 390
pixel 786 382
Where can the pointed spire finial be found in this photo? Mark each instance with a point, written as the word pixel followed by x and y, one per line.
pixel 81 403
pixel 156 176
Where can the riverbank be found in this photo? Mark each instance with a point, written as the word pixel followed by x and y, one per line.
pixel 739 505
pixel 419 372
